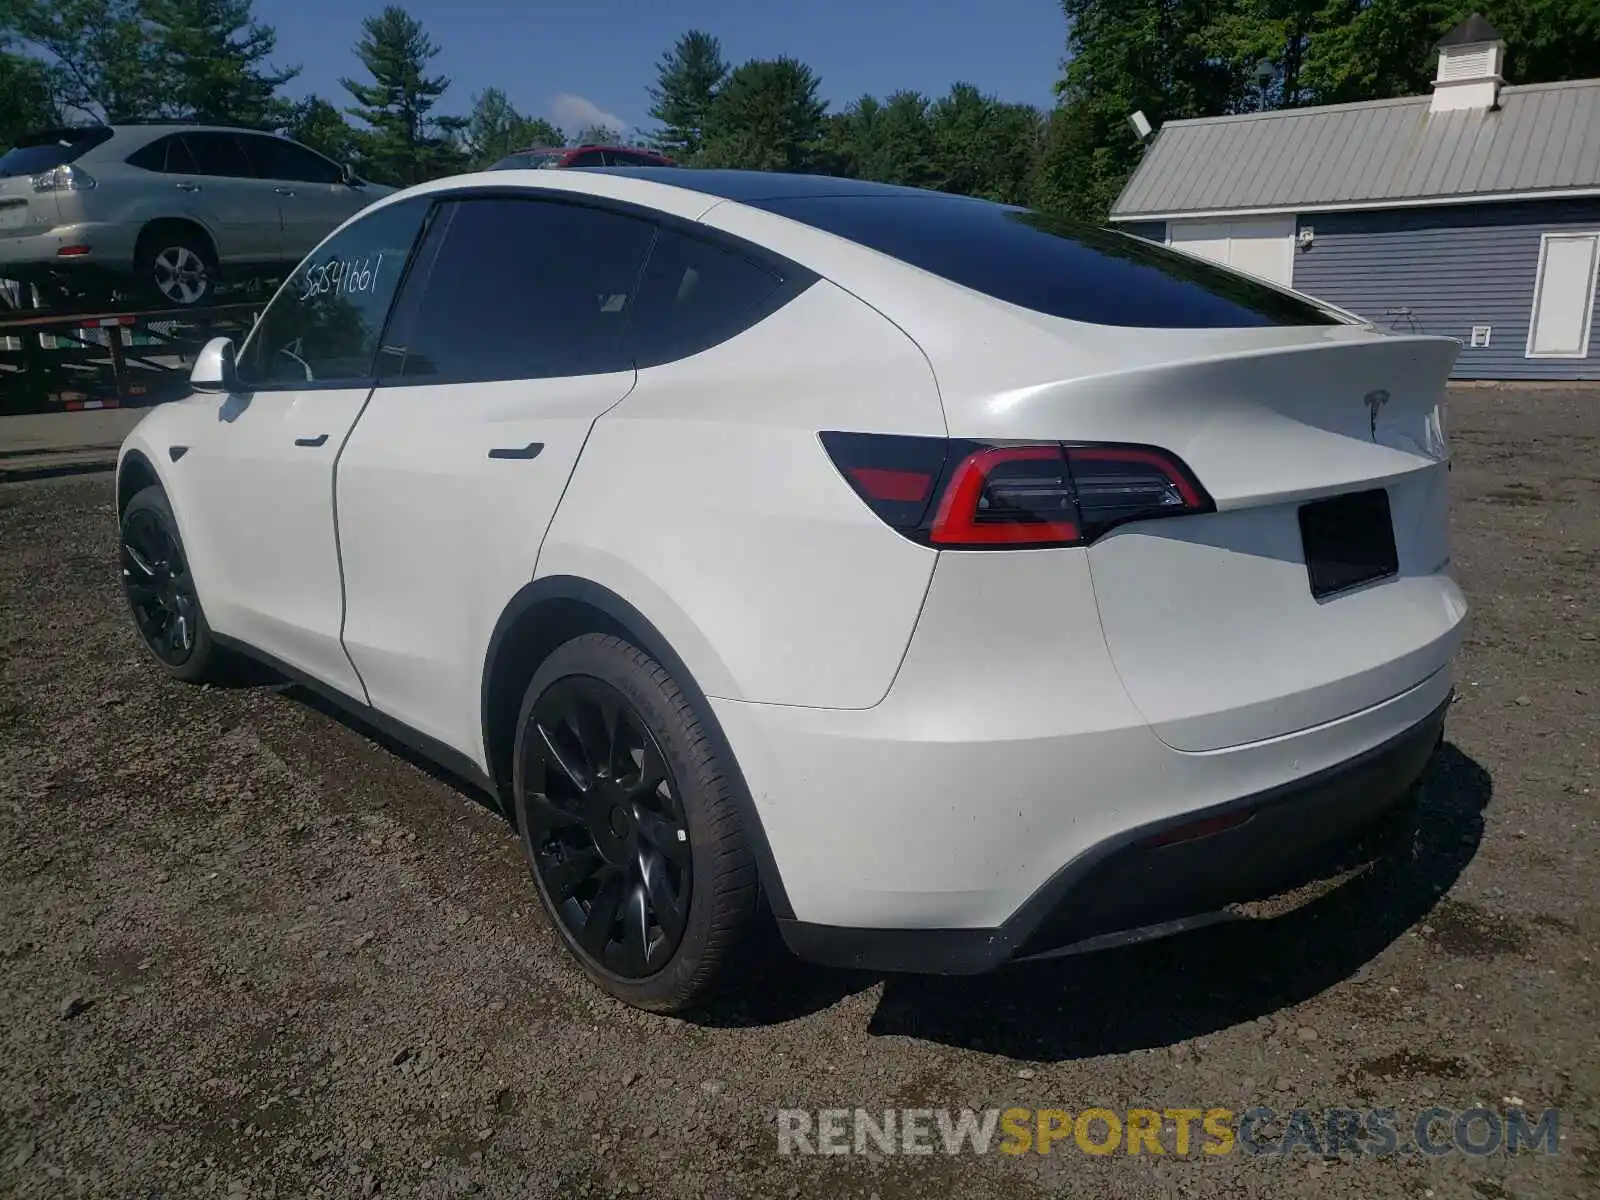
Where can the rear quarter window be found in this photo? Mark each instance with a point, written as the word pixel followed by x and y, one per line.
pixel 694 296
pixel 1051 265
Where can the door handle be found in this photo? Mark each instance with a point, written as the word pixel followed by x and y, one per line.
pixel 187 187
pixel 284 191
pixel 531 450
pixel 313 441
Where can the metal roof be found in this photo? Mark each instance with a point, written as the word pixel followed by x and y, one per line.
pixel 1543 140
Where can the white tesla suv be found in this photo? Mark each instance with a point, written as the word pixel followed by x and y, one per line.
pixel 947 583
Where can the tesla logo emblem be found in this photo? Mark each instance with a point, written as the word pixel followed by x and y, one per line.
pixel 1374 401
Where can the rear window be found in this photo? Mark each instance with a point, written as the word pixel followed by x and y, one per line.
pixel 35 153
pixel 1051 265
pixel 532 159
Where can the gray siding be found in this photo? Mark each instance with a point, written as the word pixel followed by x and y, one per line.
pixel 1452 267
pixel 1151 231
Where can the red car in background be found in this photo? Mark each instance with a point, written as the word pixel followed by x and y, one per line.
pixel 559 157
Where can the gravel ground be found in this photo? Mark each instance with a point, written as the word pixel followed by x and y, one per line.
pixel 247 950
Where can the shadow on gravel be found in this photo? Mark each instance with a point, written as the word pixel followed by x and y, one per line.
pixel 1163 992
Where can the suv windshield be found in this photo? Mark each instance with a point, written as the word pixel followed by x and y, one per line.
pixel 1052 265
pixel 529 158
pixel 36 153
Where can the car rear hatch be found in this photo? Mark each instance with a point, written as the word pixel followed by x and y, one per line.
pixel 1315 588
pixel 30 207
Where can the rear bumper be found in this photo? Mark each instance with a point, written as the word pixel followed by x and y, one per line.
pixel 110 248
pixel 1140 884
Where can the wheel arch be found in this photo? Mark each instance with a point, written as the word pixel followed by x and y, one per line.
pixel 157 225
pixel 553 610
pixel 135 473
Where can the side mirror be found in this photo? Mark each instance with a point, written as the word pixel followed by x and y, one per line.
pixel 348 175
pixel 213 369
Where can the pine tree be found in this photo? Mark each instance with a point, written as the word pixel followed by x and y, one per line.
pixel 688 77
pixel 766 118
pixel 403 143
pixel 212 56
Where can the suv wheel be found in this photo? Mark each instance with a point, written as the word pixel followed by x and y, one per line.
pixel 630 826
pixel 176 267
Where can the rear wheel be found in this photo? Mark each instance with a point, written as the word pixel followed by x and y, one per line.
pixel 630 827
pixel 176 266
pixel 161 592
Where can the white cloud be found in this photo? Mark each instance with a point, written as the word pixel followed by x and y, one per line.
pixel 574 114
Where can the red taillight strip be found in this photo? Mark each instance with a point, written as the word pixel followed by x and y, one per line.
pixel 956 523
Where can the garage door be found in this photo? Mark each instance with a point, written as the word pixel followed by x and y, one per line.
pixel 1262 246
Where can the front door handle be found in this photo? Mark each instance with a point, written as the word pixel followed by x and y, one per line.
pixel 531 450
pixel 187 187
pixel 316 441
pixel 284 191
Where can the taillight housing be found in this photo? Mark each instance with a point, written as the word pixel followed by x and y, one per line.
pixel 969 495
pixel 64 178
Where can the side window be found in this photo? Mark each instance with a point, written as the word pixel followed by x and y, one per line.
pixel 276 158
pixel 323 325
pixel 519 289
pixel 218 154
pixel 589 158
pixel 168 155
pixel 695 295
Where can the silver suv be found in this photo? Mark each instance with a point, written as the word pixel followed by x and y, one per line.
pixel 167 209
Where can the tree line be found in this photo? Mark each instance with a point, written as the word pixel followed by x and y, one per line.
pixel 209 60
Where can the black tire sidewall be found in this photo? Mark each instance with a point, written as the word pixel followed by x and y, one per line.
pixel 703 792
pixel 203 657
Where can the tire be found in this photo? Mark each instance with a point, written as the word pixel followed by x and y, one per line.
pixel 161 593
pixel 600 722
pixel 176 266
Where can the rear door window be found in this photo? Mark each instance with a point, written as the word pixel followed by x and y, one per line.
pixel 510 288
pixel 1051 265
pixel 169 155
pixel 219 154
pixel 36 153
pixel 695 295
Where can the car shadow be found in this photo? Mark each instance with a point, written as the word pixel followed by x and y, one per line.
pixel 1162 992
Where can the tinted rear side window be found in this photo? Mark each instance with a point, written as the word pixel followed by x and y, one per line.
pixel 36 153
pixel 519 289
pixel 169 154
pixel 695 295
pixel 1051 265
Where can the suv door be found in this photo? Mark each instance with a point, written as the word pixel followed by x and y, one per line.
pixel 313 198
pixel 262 527
pixel 241 210
pixel 505 347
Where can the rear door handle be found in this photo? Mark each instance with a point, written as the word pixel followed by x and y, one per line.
pixel 531 450
pixel 316 441
pixel 187 187
pixel 284 191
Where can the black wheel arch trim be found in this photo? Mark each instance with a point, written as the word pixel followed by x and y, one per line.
pixel 643 632
pixel 135 464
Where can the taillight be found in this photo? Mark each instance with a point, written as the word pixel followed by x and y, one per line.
pixel 65 178
pixel 982 495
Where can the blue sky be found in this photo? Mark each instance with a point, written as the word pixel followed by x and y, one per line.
pixel 579 61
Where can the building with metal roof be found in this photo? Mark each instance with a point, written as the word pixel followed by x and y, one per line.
pixel 1473 212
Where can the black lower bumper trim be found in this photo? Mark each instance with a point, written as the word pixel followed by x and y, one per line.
pixel 1153 880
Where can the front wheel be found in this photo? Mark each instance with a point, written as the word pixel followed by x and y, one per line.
pixel 630 826
pixel 161 592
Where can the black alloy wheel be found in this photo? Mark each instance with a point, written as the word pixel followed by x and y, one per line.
pixel 605 826
pixel 160 590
